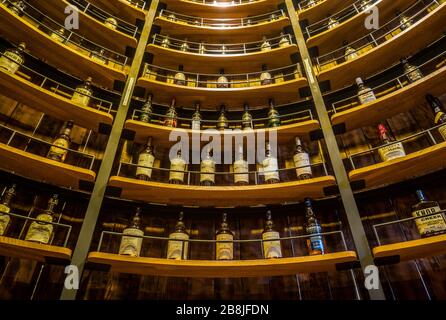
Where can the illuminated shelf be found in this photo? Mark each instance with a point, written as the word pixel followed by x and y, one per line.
pixel 410 250
pixel 39 168
pixel 62 108
pixel 15 248
pixel 56 53
pixel 224 269
pixel 122 9
pixel 394 103
pixel 415 164
pixel 165 193
pixel 322 9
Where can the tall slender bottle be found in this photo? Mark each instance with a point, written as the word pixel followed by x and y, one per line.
pixel 440 115
pixel 315 244
pixel 13 58
pixel 170 119
pixel 5 208
pixel 350 52
pixel 270 166
pixel 389 150
pixel 431 225
pixel 222 122
pixel 147 109
pixel 246 118
pixel 40 231
pixel 146 160
pixel 196 118
pixel 273 115
pixel 177 169
pixel 302 161
pixel 265 46
pixel 271 239
pixel 365 94
pixel 241 168
pixel 413 74
pixel 224 250
pixel 178 250
pixel 207 170
pixel 265 76
pixel 56 152
pixel 180 78
pixel 83 93
pixel 131 242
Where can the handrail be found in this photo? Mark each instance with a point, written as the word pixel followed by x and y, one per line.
pixel 217 3
pixel 140 4
pixel 306 4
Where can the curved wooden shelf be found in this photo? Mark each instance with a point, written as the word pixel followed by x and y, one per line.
pixel 50 103
pixel 39 168
pixel 406 43
pixel 352 28
pixel 58 54
pixel 91 28
pixel 415 164
pixel 121 9
pixel 284 92
pixel 224 269
pixel 322 9
pixel 15 248
pixel 410 250
pixel 161 133
pixel 222 10
pixel 212 63
pixel 254 32
pixel 165 193
pixel 394 103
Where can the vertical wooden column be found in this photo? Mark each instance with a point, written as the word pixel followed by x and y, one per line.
pixel 94 206
pixel 348 199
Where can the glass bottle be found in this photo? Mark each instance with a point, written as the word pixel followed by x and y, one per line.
pixel 271 239
pixel 273 115
pixel 131 242
pixel 332 22
pixel 146 110
pixel 13 58
pixel 431 225
pixel 180 78
pixel 201 49
pixel 365 94
pixel 170 120
pixel 222 122
pixel 83 93
pixel 111 23
pixel 302 162
pixel 40 231
pixel 165 43
pixel 350 52
pixel 222 81
pixel 178 250
pixel 56 152
pixel 207 170
pixel 224 250
pixel 405 22
pixel 265 76
pixel 99 56
pixel 284 40
pixel 17 6
pixel 315 244
pixel 241 168
pixel 177 169
pixel 413 74
pixel 440 116
pixel 5 208
pixel 58 35
pixel 246 118
pixel 265 46
pixel 389 151
pixel 146 160
pixel 270 166
pixel 196 118
pixel 184 46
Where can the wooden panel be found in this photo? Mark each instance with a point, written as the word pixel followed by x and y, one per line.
pixel 232 63
pixel 42 169
pixel 211 98
pixel 413 249
pixel 56 53
pixel 396 102
pixel 222 269
pixel 415 164
pixel 279 193
pixel 50 103
pixel 121 9
pixel 10 247
pixel 420 35
pixel 323 9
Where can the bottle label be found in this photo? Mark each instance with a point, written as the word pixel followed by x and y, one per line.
pixel 4 218
pixel 111 23
pixel 442 131
pixel 265 46
pixel 180 79
pixel 271 249
pixel 11 61
pixel 175 248
pixel 366 96
pixel 432 224
pixel 57 37
pixel 59 153
pixel 302 163
pixel 225 250
pixel 207 169
pixel 131 246
pixel 270 167
pixel 81 96
pixel 196 124
pixel 392 151
pixel 414 74
pixel 145 160
pixel 222 82
pixel 241 166
pixel 39 231
pixel 316 244
pixel 98 58
pixel 179 165
pixel 284 42
pixel 265 78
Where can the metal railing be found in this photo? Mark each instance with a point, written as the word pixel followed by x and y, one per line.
pixel 220 49
pixel 140 4
pixel 222 3
pixel 306 4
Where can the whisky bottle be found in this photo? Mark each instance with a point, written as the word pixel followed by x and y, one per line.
pixel 13 58
pixel 389 150
pixel 5 208
pixel 270 166
pixel 365 94
pixel 170 120
pixel 332 22
pixel 99 56
pixel 196 118
pixel 202 49
pixel 180 78
pixel 273 115
pixel 350 52
pixel 315 243
pixel 224 250
pixel 222 81
pixel 178 250
pixel 246 118
pixel 222 122
pixel 207 170
pixel 440 116
pixel 265 46
pixel 165 43
pixel 364 5
pixel 431 225
pixel 131 242
pixel 284 40
pixel 302 162
pixel 184 46
pixel 17 6
pixel 83 93
pixel 58 151
pixel 146 160
pixel 405 22
pixel 265 76
pixel 177 169
pixel 58 35
pixel 311 3
pixel 271 239
pixel 241 168
pixel 40 231
pixel 146 110
pixel 172 17
pixel 412 73
pixel 111 23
